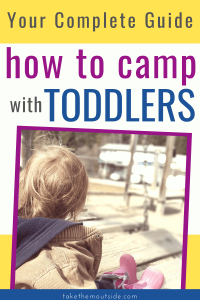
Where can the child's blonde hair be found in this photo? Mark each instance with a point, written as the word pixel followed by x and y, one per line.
pixel 53 184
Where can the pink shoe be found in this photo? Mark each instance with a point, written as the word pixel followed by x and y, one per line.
pixel 126 274
pixel 151 279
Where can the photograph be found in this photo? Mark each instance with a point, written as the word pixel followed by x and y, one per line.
pixel 100 209
pixel 99 150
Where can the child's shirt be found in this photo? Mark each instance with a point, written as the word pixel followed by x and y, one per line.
pixel 68 261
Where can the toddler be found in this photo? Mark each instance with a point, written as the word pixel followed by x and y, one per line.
pixel 53 250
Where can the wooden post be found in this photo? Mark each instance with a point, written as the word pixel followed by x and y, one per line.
pixel 60 137
pixel 162 192
pixel 133 144
pixel 156 167
pixel 26 152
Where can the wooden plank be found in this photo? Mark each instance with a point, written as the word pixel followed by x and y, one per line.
pixel 172 273
pixel 109 228
pixel 130 193
pixel 145 247
pixel 86 217
pixel 115 224
pixel 160 261
pixel 116 210
pixel 101 193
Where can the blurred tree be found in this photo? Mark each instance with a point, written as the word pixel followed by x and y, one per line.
pixel 26 149
pixel 79 139
pixel 181 145
pixel 75 140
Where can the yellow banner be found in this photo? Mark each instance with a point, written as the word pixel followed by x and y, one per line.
pixel 193 262
pixel 5 260
pixel 102 21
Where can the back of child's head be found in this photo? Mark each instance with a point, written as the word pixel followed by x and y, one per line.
pixel 53 184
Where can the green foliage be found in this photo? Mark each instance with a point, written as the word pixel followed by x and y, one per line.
pixel 181 145
pixel 78 139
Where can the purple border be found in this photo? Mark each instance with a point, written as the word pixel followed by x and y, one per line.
pixel 186 210
pixel 187 186
pixel 15 208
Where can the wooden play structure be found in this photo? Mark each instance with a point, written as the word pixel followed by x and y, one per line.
pixel 125 233
pixel 158 247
